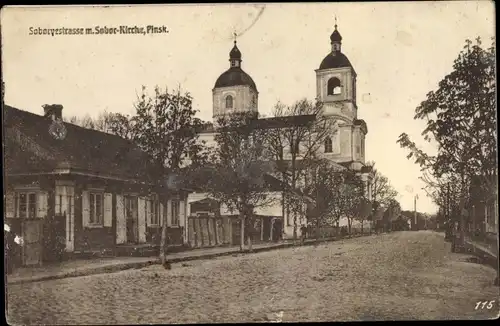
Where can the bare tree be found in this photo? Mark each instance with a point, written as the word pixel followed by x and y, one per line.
pixel 324 187
pixel 165 127
pixel 381 188
pixel 295 146
pixel 112 123
pixel 86 121
pixel 239 168
pixel 351 197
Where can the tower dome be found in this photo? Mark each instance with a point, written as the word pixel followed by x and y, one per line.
pixel 235 53
pixel 336 37
pixel 234 90
pixel 335 59
pixel 235 76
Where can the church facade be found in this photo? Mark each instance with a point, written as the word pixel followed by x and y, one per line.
pixel 235 92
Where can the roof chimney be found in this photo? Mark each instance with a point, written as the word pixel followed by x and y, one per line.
pixel 53 111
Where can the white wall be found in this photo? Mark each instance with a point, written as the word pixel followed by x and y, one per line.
pixel 275 209
pixel 244 99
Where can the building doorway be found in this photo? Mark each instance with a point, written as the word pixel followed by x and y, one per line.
pixel 131 216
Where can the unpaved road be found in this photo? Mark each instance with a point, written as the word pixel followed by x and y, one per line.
pixel 397 276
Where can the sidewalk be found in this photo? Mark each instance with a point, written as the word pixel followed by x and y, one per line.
pixel 488 248
pixel 75 268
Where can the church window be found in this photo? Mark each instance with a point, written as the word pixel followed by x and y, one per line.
pixel 334 86
pixel 229 102
pixel 328 145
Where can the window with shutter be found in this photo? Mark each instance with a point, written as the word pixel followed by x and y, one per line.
pixel 131 207
pixel 85 208
pixel 142 220
pixel 162 211
pixel 108 213
pixel 42 204
pixel 182 213
pixel 26 206
pixel 147 210
pixel 156 213
pixel 153 211
pixel 175 212
pixel 121 222
pixel 10 205
pixel 96 208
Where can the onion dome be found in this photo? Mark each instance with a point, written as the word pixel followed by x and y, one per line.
pixel 335 59
pixel 235 76
pixel 336 37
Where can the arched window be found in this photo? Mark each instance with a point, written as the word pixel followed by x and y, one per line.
pixel 229 102
pixel 334 86
pixel 328 145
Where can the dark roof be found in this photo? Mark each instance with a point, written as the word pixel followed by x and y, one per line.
pixel 362 123
pixel 336 37
pixel 82 149
pixel 337 60
pixel 235 76
pixel 270 123
pixel 283 122
pixel 346 164
pixel 205 201
pixel 207 128
pixel 366 169
pixel 235 53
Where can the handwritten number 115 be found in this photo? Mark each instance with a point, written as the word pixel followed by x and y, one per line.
pixel 484 304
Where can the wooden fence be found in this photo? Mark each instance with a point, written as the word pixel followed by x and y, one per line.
pixel 209 231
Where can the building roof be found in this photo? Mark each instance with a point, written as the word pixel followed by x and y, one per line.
pixel 235 53
pixel 364 168
pixel 335 60
pixel 82 149
pixel 270 123
pixel 286 121
pixel 235 76
pixel 336 37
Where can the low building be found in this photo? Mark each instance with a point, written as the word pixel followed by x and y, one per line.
pixel 482 210
pixel 92 191
pixel 211 223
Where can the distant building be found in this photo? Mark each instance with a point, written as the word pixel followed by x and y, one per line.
pixel 482 209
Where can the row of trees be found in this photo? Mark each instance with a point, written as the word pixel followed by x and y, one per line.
pixel 461 120
pixel 234 171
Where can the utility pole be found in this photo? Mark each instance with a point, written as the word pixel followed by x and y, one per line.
pixel 448 206
pixel 415 211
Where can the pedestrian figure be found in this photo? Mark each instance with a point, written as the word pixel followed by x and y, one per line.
pixel 303 231
pixel 10 250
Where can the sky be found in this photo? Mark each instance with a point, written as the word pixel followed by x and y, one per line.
pixel 400 52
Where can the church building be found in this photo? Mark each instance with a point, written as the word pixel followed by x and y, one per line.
pixel 236 92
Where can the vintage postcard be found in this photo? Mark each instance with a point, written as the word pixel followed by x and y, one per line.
pixel 222 163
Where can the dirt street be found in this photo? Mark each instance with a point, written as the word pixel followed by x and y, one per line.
pixel 402 275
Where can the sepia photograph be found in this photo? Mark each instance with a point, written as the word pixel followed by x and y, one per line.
pixel 249 163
